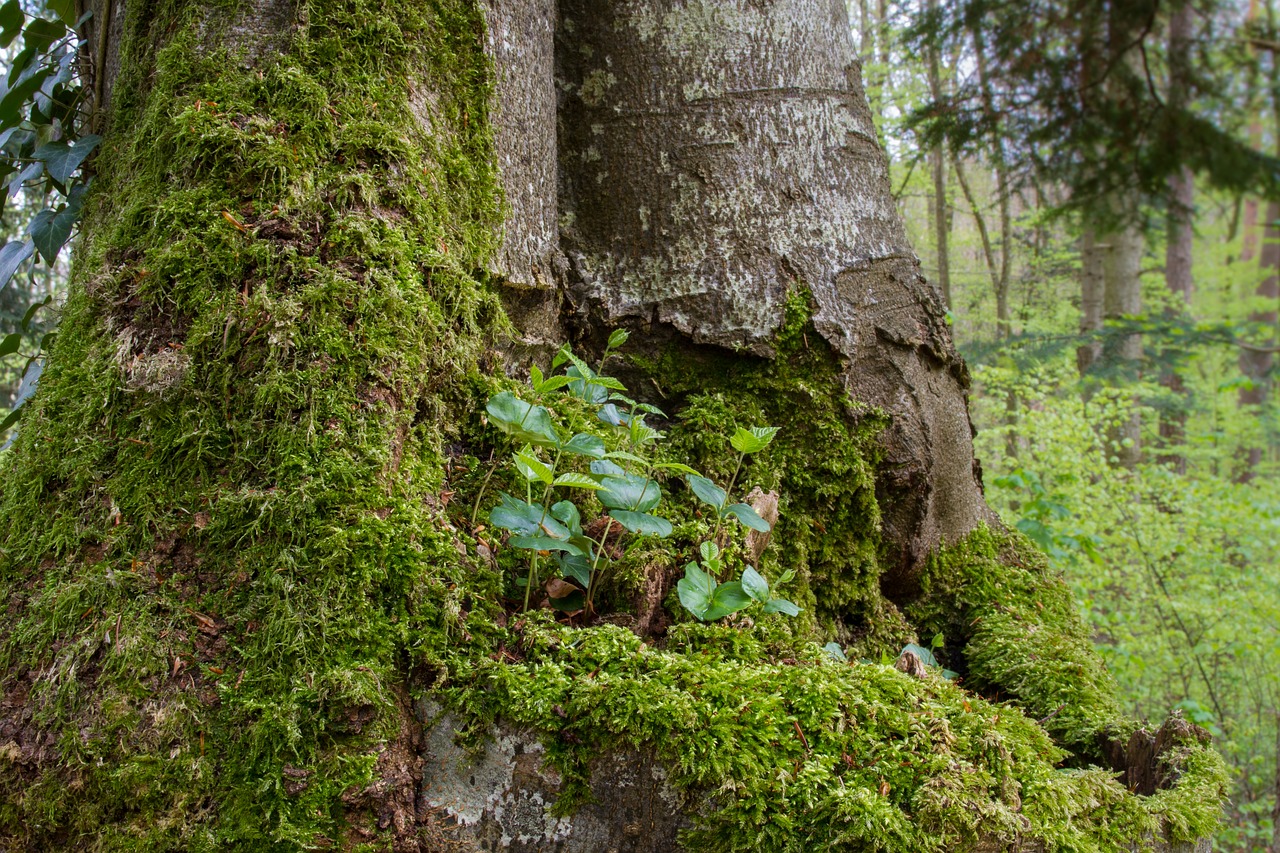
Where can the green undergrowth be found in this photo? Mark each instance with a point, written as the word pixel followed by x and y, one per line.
pixel 799 752
pixel 227 542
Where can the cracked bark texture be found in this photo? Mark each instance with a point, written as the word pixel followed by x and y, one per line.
pixel 715 156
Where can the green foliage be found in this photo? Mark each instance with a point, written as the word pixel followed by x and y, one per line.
pixel 625 482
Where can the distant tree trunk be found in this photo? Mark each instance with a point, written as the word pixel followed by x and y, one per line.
pixel 1177 267
pixel 1256 365
pixel 1122 353
pixel 1092 290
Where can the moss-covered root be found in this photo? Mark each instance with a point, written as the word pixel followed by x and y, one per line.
pixel 221 533
pixel 801 753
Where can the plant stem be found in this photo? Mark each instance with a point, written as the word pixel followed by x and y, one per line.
pixel 715 536
pixel 475 512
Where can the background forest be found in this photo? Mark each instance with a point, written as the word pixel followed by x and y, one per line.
pixel 1083 181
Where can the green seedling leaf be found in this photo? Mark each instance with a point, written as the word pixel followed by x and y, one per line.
pixel 618 337
pixel 707 491
pixel 612 415
pixel 926 656
pixel 555 383
pixel 752 440
pixel 709 551
pixel 518 516
pixel 643 523
pixel 695 590
pixel 566 512
pixel 532 467
pixel 606 468
pixel 749 517
pixel 61 159
pixel 755 585
pixel 14 254
pixel 521 420
pixel 677 467
pixel 573 480
pixel 631 492
pixel 575 567
pixel 728 598
pixel 627 457
pixel 642 433
pixel 836 652
pixel 585 444
pixel 585 388
pixel 535 377
pixel 781 605
pixel 650 410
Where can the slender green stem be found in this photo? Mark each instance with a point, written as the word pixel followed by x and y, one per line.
pixel 475 512
pixel 727 492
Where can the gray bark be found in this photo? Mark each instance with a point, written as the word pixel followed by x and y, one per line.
pixel 717 156
pixel 1122 267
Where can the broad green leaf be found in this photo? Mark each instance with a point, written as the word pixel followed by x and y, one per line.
pixel 14 254
pixel 566 512
pixel 629 491
pixel 781 605
pixel 604 467
pixel 695 590
pixel 749 517
pixel 64 9
pixel 50 229
pixel 613 416
pixel 61 159
pixel 728 598
pixel 9 345
pixel 709 551
pixel 41 33
pixel 585 444
pixel 755 585
pixel 643 523
pixel 11 21
pixel 535 377
pixel 575 567
pixel 574 480
pixel 544 543
pixel 517 516
pixel 752 440
pixel 618 337
pixel 707 491
pixel 522 420
pixel 650 410
pixel 19 94
pixel 531 466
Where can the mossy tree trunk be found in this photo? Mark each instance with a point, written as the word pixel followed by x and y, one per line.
pixel 231 545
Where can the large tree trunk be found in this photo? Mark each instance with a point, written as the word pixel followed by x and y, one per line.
pixel 240 587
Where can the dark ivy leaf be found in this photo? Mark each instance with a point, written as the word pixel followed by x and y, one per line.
pixel 63 158
pixel 9 345
pixel 11 21
pixel 12 256
pixel 51 229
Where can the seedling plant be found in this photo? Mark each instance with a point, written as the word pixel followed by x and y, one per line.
pixel 569 559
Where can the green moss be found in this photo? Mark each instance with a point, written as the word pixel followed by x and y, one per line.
pixel 222 531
